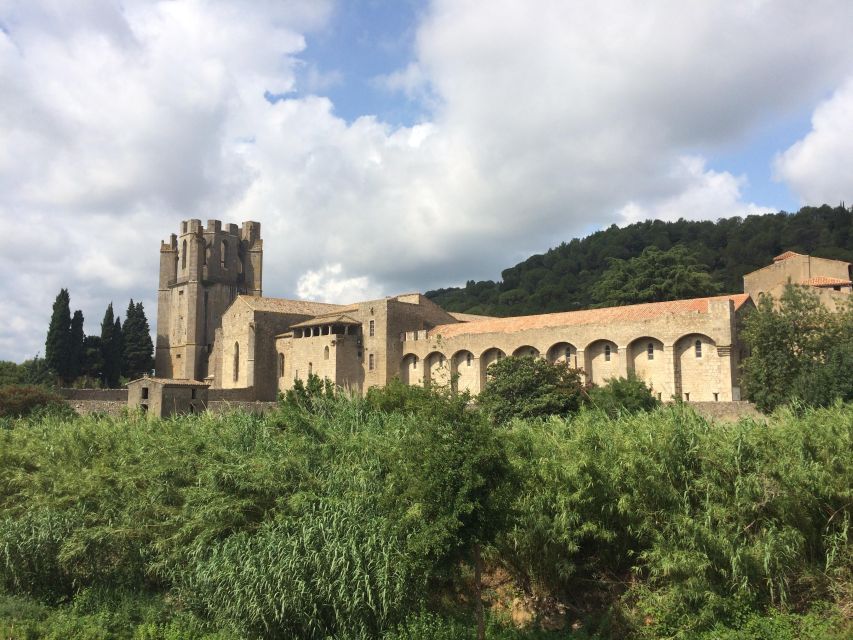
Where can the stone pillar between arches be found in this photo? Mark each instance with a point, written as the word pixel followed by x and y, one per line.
pixel 671 370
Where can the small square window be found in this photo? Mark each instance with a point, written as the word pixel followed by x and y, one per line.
pixel 145 393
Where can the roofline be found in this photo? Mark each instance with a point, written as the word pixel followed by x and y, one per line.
pixel 737 299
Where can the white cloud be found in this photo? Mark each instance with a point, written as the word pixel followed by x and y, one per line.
pixel 818 167
pixel 327 285
pixel 701 194
pixel 544 118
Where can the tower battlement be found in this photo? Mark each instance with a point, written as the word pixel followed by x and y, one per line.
pixel 203 268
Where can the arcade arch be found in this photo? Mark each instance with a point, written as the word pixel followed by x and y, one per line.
pixel 698 375
pixel 602 361
pixel 464 372
pixel 563 352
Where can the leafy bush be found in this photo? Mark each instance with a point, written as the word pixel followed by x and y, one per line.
pixel 623 395
pixel 800 351
pixel 356 518
pixel 691 522
pixel 22 400
pixel 527 387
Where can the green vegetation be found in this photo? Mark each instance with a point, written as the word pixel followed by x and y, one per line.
pixel 369 518
pixel 18 401
pixel 623 395
pixel 73 358
pixel 799 351
pixel 528 387
pixel 653 276
pixel 565 278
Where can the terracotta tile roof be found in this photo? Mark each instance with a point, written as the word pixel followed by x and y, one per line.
pixel 327 319
pixel 825 281
pixel 173 381
pixel 469 317
pixel 631 313
pixel 282 305
pixel 786 255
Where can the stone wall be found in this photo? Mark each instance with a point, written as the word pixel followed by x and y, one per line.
pixel 94 395
pixel 227 406
pixel 727 411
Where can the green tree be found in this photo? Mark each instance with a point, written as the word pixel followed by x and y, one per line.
pixel 527 387
pixel 10 373
pixel 653 276
pixel 137 358
pixel 787 343
pixel 57 350
pixel 623 395
pixel 93 358
pixel 76 345
pixel 110 348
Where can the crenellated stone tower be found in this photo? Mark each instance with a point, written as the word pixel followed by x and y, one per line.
pixel 202 271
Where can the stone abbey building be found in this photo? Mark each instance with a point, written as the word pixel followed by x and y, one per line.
pixel 215 327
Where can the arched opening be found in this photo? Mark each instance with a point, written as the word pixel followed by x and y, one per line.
pixel 223 254
pixel 646 361
pixel 563 352
pixel 310 369
pixel 698 368
pixel 463 372
pixel 436 369
pixel 487 359
pixel 526 350
pixel 236 361
pixel 409 372
pixel 326 353
pixel 602 361
pixel 184 256
pixel 281 365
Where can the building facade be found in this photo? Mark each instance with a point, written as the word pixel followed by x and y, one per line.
pixel 215 326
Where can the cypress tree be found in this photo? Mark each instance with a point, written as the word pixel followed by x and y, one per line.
pixel 137 342
pixel 58 344
pixel 76 346
pixel 110 372
pixel 118 351
pixel 146 347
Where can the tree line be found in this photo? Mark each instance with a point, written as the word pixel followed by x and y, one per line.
pixel 653 261
pixel 119 350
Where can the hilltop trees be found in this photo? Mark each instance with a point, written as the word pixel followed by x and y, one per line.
pixel 653 276
pixel 563 278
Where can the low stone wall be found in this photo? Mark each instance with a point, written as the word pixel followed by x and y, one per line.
pixel 231 395
pixel 110 407
pixel 96 395
pixel 726 411
pixel 227 406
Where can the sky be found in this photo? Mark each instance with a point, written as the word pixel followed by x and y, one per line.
pixel 389 146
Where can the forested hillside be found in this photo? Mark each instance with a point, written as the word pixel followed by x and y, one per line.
pixel 564 278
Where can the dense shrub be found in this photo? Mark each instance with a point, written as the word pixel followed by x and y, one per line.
pixel 359 518
pixel 705 521
pixel 623 395
pixel 527 387
pixel 799 351
pixel 21 400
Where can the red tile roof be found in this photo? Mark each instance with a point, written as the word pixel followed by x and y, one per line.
pixel 630 313
pixel 283 305
pixel 786 255
pixel 826 281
